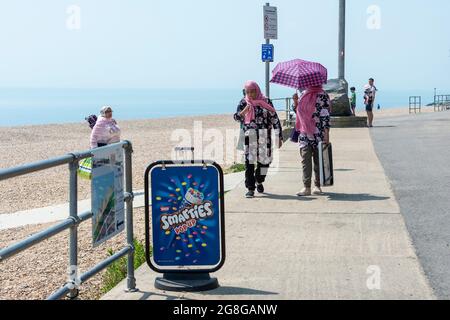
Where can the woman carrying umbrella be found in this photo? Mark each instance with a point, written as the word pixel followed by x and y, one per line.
pixel 313 125
pixel 258 117
pixel 313 114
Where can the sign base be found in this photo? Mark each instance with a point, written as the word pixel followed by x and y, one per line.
pixel 186 282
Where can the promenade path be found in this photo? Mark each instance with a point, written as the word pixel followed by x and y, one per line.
pixel 280 246
pixel 415 152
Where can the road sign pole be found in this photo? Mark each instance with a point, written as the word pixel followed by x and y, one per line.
pixel 268 69
pixel 268 75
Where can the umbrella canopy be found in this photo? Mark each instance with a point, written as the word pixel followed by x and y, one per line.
pixel 299 74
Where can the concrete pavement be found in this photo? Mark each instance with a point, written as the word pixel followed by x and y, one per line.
pixel 351 243
pixel 415 151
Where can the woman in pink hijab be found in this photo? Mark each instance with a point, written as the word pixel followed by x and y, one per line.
pixel 258 118
pixel 313 126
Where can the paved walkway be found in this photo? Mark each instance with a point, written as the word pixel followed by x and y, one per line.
pixel 420 174
pixel 283 247
pixel 61 212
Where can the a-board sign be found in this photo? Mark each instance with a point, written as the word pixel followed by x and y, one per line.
pixel 184 211
pixel 326 164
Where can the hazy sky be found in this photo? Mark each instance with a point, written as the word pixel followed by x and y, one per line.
pixel 216 44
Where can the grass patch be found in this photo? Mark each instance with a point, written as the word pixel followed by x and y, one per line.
pixel 117 271
pixel 237 167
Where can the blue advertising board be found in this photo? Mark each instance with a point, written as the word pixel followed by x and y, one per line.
pixel 267 53
pixel 186 225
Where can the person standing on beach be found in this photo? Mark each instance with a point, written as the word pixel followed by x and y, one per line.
pixel 313 125
pixel 369 99
pixel 258 116
pixel 105 131
pixel 353 100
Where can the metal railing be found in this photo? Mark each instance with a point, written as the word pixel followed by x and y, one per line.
pixel 70 288
pixel 415 104
pixel 286 111
pixel 441 102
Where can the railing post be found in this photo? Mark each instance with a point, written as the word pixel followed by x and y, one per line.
pixel 73 238
pixel 131 280
pixel 288 122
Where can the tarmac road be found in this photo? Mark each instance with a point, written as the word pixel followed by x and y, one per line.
pixel 415 153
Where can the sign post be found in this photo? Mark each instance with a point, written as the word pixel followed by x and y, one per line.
pixel 270 32
pixel 186 224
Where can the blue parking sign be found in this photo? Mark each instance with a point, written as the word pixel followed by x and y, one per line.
pixel 267 52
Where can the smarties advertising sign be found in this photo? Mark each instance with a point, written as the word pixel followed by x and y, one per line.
pixel 186 225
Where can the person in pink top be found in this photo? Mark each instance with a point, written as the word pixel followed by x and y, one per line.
pixel 106 131
pixel 313 126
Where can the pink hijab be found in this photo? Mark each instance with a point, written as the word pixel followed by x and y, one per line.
pixel 260 101
pixel 306 107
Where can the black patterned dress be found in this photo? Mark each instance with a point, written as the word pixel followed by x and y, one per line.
pixel 322 119
pixel 258 133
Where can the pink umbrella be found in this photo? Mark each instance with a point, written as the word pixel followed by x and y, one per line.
pixel 299 74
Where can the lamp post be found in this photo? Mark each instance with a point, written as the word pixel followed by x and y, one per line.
pixel 341 39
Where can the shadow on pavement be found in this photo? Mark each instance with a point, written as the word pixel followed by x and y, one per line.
pixel 286 197
pixel 230 291
pixel 354 197
pixel 146 295
pixel 374 127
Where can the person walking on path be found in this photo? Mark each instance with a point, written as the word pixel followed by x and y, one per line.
pixel 353 100
pixel 313 126
pixel 294 106
pixel 369 99
pixel 105 131
pixel 258 116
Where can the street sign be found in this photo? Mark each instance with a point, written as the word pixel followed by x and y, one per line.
pixel 270 22
pixel 267 52
pixel 185 222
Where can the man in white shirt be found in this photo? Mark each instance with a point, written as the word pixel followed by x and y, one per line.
pixel 369 99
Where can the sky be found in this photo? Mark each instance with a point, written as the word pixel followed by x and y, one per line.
pixel 217 44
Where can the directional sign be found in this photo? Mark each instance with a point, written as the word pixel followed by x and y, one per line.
pixel 270 22
pixel 267 52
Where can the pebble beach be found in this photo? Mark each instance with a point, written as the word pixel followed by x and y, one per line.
pixel 38 272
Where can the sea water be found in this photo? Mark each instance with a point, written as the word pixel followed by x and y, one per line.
pixel 24 106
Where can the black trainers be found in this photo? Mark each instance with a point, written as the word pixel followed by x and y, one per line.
pixel 260 188
pixel 250 194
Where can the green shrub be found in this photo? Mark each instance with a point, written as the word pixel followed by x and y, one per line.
pixel 237 167
pixel 117 271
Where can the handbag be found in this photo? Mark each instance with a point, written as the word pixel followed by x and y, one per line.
pixel 85 168
pixel 294 135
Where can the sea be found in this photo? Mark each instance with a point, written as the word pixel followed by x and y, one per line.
pixel 39 106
